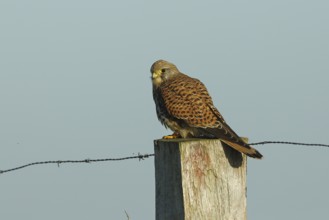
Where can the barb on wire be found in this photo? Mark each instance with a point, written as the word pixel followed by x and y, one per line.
pixel 140 156
pixel 58 162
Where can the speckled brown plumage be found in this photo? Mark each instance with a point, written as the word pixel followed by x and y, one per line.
pixel 184 105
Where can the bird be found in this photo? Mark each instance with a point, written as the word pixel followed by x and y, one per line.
pixel 184 105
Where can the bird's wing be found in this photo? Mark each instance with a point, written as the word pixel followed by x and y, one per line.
pixel 187 98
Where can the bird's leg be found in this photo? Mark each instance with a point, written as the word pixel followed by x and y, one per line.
pixel 173 136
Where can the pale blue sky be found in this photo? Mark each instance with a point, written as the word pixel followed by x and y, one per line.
pixel 74 84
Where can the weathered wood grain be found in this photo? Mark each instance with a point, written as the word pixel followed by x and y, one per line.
pixel 199 179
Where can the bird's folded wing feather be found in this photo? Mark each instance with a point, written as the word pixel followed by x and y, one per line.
pixel 187 98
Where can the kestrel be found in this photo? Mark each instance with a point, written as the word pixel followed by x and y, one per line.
pixel 184 105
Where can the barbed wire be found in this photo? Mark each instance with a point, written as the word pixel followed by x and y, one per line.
pixel 288 142
pixel 58 162
pixel 140 156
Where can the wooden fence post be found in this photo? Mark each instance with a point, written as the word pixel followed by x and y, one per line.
pixel 199 179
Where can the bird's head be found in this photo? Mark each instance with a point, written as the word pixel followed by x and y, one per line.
pixel 162 71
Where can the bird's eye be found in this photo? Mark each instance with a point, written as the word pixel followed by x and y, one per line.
pixel 163 70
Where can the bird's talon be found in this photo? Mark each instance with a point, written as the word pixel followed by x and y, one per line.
pixel 173 136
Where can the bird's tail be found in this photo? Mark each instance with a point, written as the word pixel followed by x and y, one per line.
pixel 244 148
pixel 229 137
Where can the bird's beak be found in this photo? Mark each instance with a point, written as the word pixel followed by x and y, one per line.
pixel 156 74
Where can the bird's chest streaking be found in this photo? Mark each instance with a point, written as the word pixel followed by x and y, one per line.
pixel 163 115
pixel 164 102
